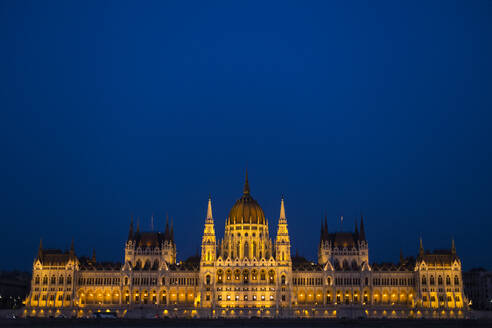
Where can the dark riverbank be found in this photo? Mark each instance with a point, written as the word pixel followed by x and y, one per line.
pixel 241 323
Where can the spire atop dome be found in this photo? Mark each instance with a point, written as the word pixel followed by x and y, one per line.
pixel 246 210
pixel 246 184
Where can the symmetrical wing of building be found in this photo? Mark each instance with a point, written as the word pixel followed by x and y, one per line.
pixel 247 274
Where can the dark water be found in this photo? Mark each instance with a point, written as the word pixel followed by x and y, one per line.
pixel 62 323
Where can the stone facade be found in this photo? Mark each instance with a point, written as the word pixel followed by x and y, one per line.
pixel 246 274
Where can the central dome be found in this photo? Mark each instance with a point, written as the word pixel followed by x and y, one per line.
pixel 246 210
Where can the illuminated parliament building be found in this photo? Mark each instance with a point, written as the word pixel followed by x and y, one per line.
pixel 247 274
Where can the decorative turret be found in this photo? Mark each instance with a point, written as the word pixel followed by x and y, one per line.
pixel 282 242
pixel 324 245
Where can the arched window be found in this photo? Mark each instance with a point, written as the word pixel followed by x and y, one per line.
pixel 448 280
pixel 138 266
pixel 69 280
pixel 53 280
pixel 424 280
pixel 367 281
pixel 432 281
pixel 228 274
pixel 283 256
pixel 456 280
pixel 208 256
pixel 282 279
pixel 60 280
pixel 345 264
pixel 271 277
pixel 262 275
pixel 246 250
pixel 328 281
pixel 207 279
pixel 254 248
pixel 220 276
pixel 36 280
pixel 439 280
pixel 245 276
pixel 126 281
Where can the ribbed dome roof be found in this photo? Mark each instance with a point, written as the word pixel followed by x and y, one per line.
pixel 246 209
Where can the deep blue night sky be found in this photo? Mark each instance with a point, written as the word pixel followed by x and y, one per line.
pixel 109 109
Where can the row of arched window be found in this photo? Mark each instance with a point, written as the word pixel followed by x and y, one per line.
pixel 245 276
pixel 307 281
pixel 53 280
pixel 432 280
pixel 98 281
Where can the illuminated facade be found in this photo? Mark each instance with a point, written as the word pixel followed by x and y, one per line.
pixel 247 274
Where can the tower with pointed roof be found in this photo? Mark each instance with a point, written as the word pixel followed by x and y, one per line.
pixel 282 241
pixel 324 247
pixel 208 258
pixel 209 246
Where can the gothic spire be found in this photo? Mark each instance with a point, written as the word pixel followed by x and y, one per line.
pixel 93 255
pixel 362 234
pixel 453 247
pixel 421 247
pixel 166 231
pixel 209 208
pixel 246 184
pixel 72 249
pixel 40 249
pixel 130 232
pixel 356 228
pixel 322 233
pixel 282 209
pixel 325 230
